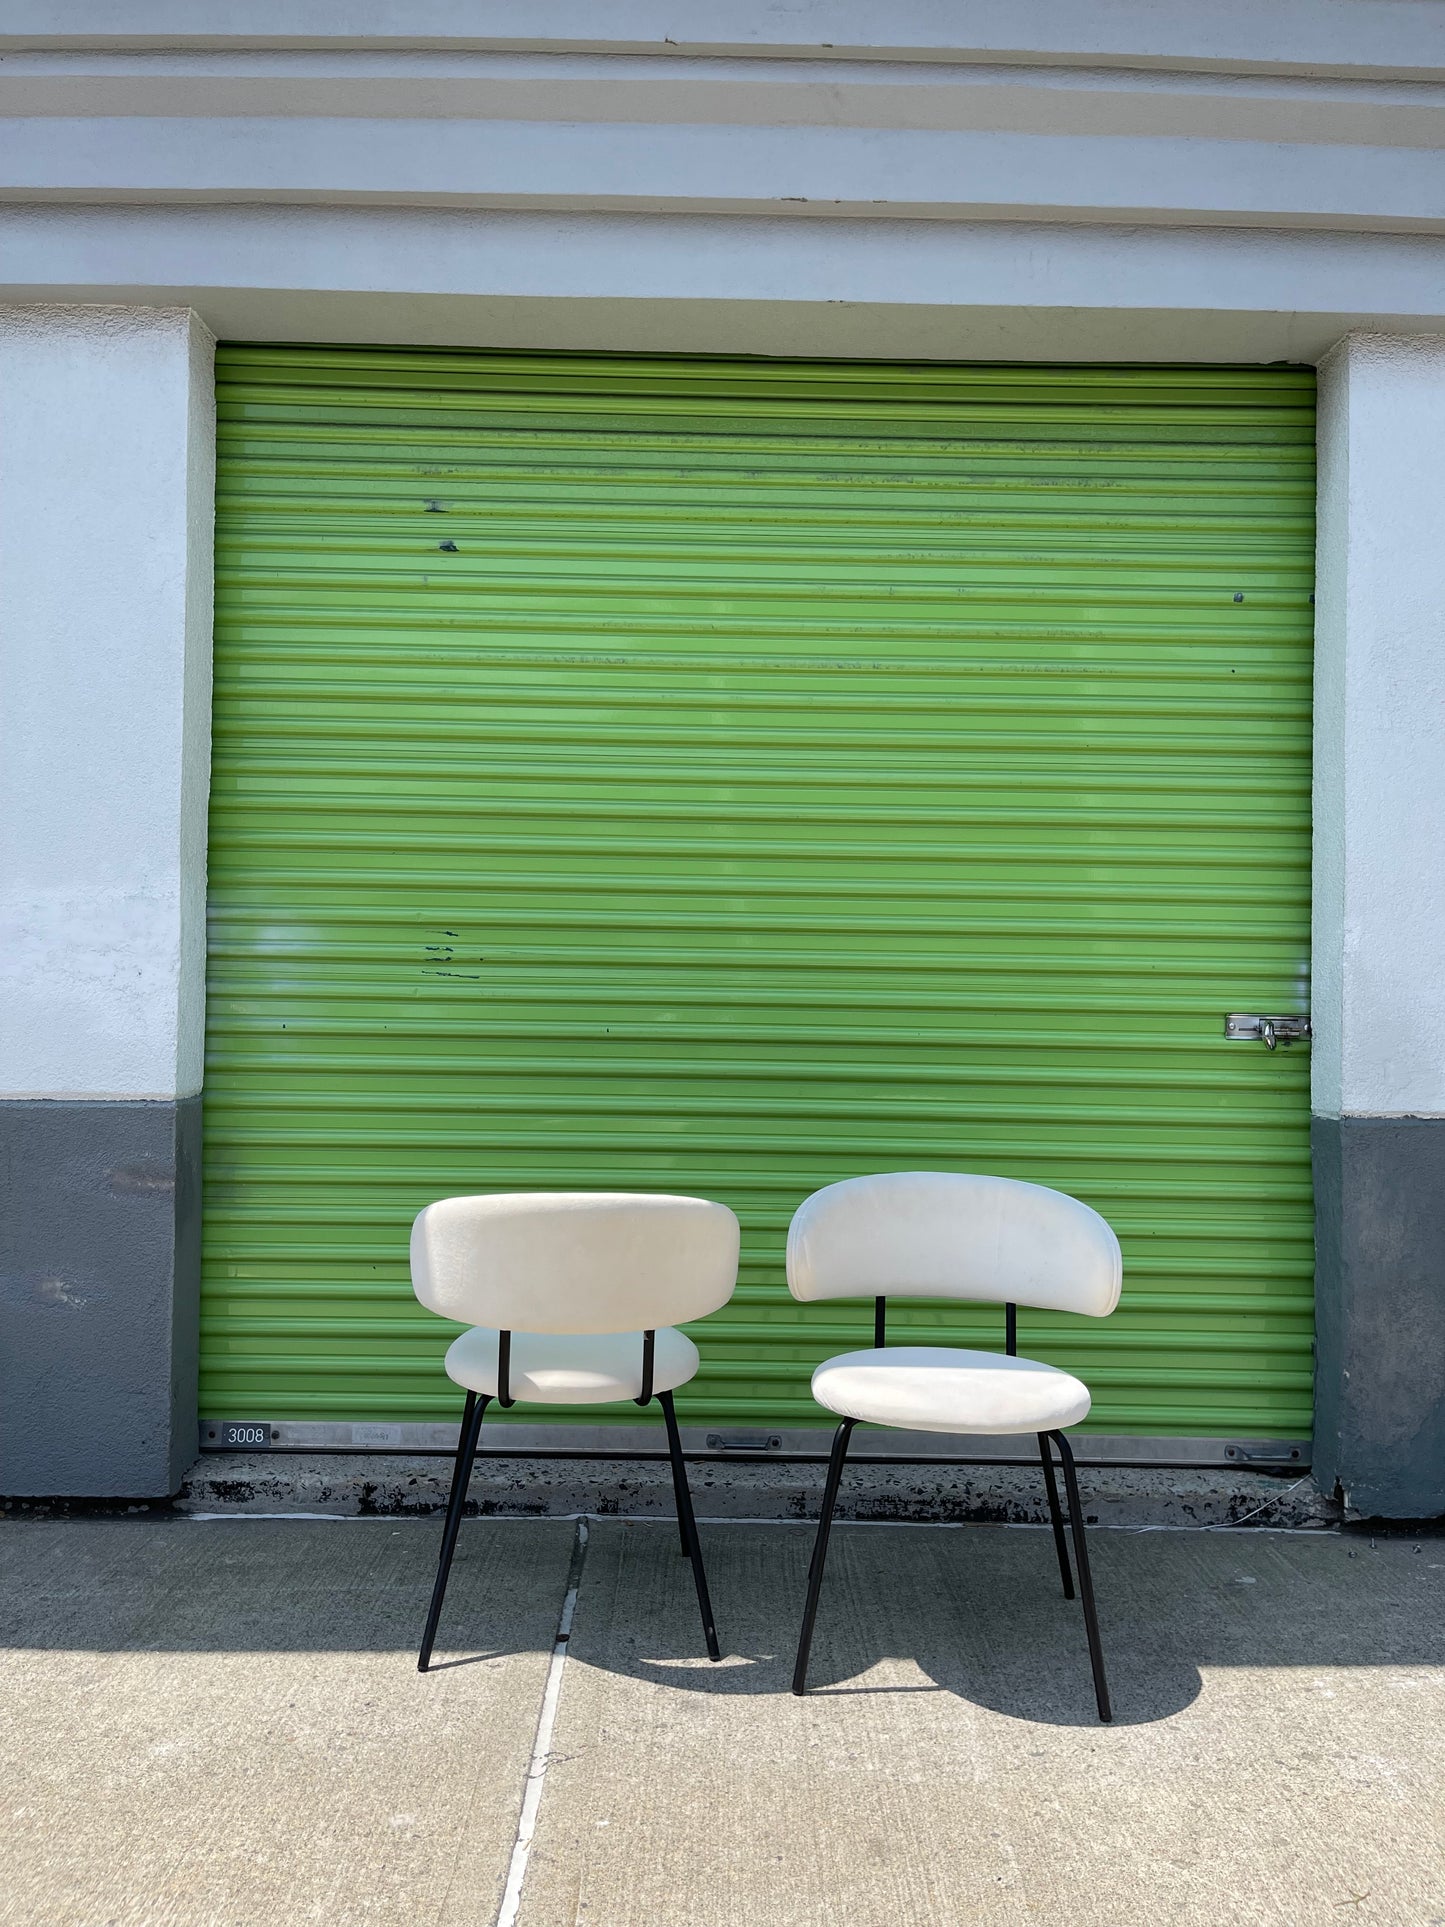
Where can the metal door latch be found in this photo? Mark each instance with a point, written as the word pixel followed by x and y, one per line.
pixel 744 1441
pixel 1269 1454
pixel 1243 1026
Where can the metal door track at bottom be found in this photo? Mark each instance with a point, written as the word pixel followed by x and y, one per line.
pixel 802 1445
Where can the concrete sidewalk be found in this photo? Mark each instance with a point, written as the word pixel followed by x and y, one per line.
pixel 219 1724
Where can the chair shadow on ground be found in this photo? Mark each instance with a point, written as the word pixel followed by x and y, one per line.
pixel 974 1612
pixel 978 1613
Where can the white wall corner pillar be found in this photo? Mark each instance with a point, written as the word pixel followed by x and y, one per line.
pixel 107 484
pixel 1379 925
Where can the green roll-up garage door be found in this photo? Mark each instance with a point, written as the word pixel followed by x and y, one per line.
pixel 728 776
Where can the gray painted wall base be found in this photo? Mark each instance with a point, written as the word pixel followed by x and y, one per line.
pixel 1380 1314
pixel 372 1484
pixel 99 1296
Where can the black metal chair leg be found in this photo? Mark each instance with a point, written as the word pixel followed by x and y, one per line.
pixel 1061 1544
pixel 683 1496
pixel 820 1552
pixel 1086 1584
pixel 471 1431
pixel 687 1524
pixel 463 1434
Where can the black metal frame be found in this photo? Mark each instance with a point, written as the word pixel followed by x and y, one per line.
pixel 1076 1525
pixel 468 1438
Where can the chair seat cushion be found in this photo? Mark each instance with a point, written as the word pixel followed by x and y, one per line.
pixel 926 1388
pixel 551 1368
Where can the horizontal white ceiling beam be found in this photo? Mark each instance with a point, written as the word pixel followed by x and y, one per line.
pixel 797 172
pixel 1384 37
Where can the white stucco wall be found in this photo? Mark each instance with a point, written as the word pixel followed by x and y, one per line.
pixel 1105 181
pixel 1317 36
pixel 715 285
pixel 1074 179
pixel 107 456
pixel 757 168
pixel 1379 917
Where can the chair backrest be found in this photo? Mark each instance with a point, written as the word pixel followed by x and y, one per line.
pixel 947 1234
pixel 574 1261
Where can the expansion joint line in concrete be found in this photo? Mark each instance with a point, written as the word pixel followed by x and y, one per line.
pixel 542 1745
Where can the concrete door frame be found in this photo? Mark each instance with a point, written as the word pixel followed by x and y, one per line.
pixel 110 454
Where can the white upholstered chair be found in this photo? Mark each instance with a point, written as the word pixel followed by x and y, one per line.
pixel 572 1297
pixel 943 1234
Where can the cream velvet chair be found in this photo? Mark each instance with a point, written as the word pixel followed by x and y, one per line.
pixel 572 1297
pixel 940 1234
